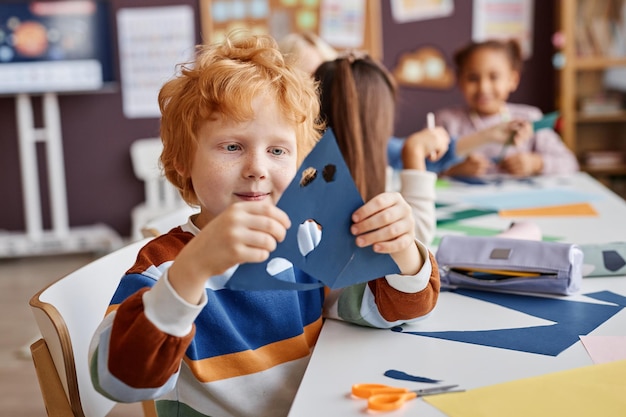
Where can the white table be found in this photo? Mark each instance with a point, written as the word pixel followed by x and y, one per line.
pixel 609 226
pixel 347 354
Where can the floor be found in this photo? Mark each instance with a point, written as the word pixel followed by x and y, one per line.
pixel 20 279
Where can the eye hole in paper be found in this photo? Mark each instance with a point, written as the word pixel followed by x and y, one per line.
pixel 281 268
pixel 308 176
pixel 329 173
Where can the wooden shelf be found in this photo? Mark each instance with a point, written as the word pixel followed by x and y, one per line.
pixel 589 63
pixel 618 117
pixel 584 24
pixel 610 170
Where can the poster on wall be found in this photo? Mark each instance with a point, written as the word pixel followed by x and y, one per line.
pixel 504 19
pixel 344 24
pixel 404 11
pixel 152 41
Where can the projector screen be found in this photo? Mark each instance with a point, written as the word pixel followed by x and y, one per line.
pixel 55 46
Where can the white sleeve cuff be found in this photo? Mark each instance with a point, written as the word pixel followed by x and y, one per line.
pixel 168 311
pixel 413 283
pixel 418 184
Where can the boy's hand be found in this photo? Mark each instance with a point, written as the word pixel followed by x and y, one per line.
pixel 386 223
pixel 244 232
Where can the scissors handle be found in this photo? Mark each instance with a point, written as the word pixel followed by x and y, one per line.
pixel 368 390
pixel 388 402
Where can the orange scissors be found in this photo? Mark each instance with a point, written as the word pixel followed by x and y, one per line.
pixel 386 398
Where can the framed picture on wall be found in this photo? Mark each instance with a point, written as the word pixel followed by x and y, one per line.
pixel 344 24
pixel 504 19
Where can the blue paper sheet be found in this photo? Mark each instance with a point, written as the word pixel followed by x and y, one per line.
pixel 572 319
pixel 329 198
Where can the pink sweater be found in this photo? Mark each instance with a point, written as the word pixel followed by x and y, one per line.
pixel 557 158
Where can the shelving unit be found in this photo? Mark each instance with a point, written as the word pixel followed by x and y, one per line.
pixel 590 51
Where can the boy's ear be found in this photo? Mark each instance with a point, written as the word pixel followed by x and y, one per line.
pixel 515 78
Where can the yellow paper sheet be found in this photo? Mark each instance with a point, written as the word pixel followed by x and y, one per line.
pixel 597 390
pixel 578 209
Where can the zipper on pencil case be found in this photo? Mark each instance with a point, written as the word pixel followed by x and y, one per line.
pixel 482 275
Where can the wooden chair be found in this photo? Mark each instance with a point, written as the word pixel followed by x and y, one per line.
pixel 68 312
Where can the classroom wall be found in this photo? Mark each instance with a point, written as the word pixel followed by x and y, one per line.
pixel 101 186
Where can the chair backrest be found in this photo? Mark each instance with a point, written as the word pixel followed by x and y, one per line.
pixel 160 194
pixel 166 222
pixel 161 197
pixel 68 312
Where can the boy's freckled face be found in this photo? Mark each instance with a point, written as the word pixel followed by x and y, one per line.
pixel 487 81
pixel 253 160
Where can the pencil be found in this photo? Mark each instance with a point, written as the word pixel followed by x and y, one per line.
pixel 430 124
pixel 430 120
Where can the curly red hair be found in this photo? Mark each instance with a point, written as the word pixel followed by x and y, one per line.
pixel 223 80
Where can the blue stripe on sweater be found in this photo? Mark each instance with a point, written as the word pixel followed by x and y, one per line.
pixel 243 320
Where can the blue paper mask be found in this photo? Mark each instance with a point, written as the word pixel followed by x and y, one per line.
pixel 319 201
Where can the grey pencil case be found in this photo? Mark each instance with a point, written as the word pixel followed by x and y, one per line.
pixel 502 264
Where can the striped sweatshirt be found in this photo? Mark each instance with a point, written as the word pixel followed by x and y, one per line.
pixel 237 353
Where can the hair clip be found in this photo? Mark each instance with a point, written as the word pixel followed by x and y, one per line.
pixel 352 55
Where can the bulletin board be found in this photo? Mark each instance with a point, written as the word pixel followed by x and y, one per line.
pixel 344 24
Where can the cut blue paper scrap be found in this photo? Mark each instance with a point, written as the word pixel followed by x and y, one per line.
pixel 609 297
pixel 572 319
pixel 323 191
pixel 613 261
pixel 403 376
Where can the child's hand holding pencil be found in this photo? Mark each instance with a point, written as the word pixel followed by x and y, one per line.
pixel 431 143
pixel 439 146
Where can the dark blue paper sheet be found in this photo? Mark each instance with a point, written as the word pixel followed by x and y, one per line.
pixel 572 319
pixel 329 199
